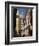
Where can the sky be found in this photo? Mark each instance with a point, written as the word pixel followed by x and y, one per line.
pixel 22 11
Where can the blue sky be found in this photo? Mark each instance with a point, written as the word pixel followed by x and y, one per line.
pixel 22 11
